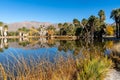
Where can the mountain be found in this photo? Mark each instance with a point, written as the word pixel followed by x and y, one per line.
pixel 27 24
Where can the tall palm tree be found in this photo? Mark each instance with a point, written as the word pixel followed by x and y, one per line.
pixel 101 14
pixel 115 15
pixel 1 23
pixel 5 30
pixel 92 21
pixel 6 27
pixel 20 31
pixel 1 28
pixel 60 25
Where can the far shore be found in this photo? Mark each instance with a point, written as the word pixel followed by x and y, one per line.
pixel 57 37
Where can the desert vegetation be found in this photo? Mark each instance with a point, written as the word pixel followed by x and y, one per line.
pixel 89 64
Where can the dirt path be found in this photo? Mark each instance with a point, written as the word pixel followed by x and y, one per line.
pixel 113 75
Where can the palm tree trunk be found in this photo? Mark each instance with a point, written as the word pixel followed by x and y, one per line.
pixel 92 33
pixel 117 30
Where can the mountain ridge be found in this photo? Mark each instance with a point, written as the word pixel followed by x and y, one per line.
pixel 16 25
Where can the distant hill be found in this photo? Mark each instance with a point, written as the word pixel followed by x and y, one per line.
pixel 27 24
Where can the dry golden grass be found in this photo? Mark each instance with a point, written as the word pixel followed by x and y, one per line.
pixel 89 65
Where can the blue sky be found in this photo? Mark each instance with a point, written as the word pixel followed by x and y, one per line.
pixel 54 11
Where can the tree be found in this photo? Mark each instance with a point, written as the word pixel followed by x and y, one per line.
pixel 115 15
pixel 5 30
pixel 76 22
pixel 51 30
pixel 101 14
pixel 93 22
pixel 1 23
pixel 63 29
pixel 1 28
pixel 84 22
pixel 5 27
pixel 70 29
pixel 20 31
pixel 65 25
pixel 60 25
pixel 110 30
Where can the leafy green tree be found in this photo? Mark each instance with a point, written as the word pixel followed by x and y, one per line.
pixel 115 15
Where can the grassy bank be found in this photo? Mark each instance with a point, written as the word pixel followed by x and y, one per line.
pixel 90 64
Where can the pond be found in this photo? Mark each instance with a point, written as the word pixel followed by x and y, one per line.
pixel 14 51
pixel 27 47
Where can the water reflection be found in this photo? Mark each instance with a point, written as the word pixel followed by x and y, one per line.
pixel 72 46
pixel 37 48
pixel 62 45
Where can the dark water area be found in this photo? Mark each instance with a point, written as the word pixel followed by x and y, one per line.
pixel 12 50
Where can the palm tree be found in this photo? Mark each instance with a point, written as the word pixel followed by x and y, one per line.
pixel 115 15
pixel 101 14
pixel 5 27
pixel 51 30
pixel 1 23
pixel 76 22
pixel 92 21
pixel 60 25
pixel 5 30
pixel 70 29
pixel 20 31
pixel 65 25
pixel 1 28
pixel 84 22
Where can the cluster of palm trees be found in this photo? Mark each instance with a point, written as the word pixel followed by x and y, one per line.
pixel 87 27
pixel 92 27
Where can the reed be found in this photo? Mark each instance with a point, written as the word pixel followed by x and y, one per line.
pixel 88 65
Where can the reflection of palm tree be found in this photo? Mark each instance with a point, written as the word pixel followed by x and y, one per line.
pixel 6 46
pixel 1 49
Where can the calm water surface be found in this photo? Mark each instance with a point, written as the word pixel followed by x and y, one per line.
pixel 12 49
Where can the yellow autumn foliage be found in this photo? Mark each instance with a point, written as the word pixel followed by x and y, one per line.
pixel 110 30
pixel 51 32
